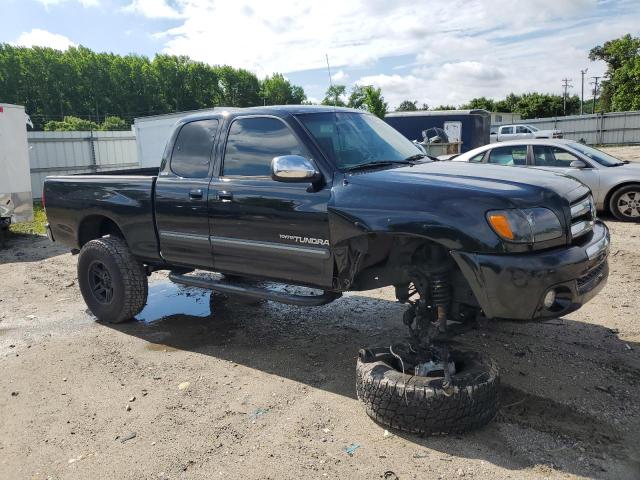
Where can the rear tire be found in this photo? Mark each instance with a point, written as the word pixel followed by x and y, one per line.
pixel 420 404
pixel 625 203
pixel 112 282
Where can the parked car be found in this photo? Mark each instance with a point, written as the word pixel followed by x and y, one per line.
pixel 519 132
pixel 615 184
pixel 337 200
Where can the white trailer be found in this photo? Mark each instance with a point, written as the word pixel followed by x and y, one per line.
pixel 152 134
pixel 16 203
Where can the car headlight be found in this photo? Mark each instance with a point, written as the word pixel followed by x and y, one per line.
pixel 525 226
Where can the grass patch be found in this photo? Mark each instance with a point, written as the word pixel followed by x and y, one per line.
pixel 34 227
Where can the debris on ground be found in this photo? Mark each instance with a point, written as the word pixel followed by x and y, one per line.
pixel 351 449
pixel 258 412
pixel 128 437
pixel 183 386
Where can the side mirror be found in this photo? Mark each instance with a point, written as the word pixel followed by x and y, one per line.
pixel 578 164
pixel 294 168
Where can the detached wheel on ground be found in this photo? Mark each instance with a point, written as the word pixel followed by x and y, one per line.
pixel 625 203
pixel 420 404
pixel 112 282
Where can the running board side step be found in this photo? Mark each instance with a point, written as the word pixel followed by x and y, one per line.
pixel 255 292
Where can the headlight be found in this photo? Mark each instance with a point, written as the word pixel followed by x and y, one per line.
pixel 525 226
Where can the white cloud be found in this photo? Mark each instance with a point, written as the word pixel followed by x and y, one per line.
pixel 84 3
pixel 460 48
pixel 43 38
pixel 340 76
pixel 152 9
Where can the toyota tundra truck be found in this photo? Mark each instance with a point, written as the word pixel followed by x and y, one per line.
pixel 336 200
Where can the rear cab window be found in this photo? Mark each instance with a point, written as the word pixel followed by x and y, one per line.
pixel 191 156
pixel 509 155
pixel 252 144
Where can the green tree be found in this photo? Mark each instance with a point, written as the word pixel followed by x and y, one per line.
pixel 334 95
pixel 368 98
pixel 52 85
pixel 277 90
pixel 445 107
pixel 407 106
pixel 114 123
pixel 482 103
pixel 621 87
pixel 71 124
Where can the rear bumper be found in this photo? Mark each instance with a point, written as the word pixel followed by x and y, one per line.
pixel 514 286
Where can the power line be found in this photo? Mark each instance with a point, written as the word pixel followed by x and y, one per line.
pixel 566 85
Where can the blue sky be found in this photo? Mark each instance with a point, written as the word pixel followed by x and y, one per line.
pixel 435 51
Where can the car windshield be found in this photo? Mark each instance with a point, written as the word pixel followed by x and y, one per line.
pixel 597 155
pixel 351 139
pixel 533 129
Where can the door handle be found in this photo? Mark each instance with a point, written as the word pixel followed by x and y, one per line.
pixel 195 194
pixel 225 196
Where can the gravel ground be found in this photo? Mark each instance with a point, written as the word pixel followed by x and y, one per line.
pixel 201 389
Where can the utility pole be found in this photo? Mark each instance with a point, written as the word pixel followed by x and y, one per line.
pixel 566 85
pixel 595 91
pixel 582 72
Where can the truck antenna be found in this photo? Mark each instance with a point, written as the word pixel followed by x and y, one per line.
pixel 335 99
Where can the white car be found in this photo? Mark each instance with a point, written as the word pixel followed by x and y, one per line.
pixel 615 184
pixel 520 132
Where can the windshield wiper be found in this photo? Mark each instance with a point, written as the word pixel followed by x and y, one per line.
pixel 384 163
pixel 417 156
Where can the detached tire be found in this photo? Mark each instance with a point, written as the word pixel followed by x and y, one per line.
pixel 420 405
pixel 112 282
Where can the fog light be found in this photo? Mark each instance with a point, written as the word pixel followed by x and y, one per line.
pixel 549 298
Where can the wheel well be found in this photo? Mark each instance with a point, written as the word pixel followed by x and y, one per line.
pixel 610 193
pixel 97 226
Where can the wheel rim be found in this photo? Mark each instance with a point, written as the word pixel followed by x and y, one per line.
pixel 100 282
pixel 629 204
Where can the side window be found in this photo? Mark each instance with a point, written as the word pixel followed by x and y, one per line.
pixel 512 155
pixel 562 158
pixel 521 129
pixel 252 144
pixel 506 130
pixel 477 158
pixel 192 149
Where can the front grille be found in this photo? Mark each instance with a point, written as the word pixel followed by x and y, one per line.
pixel 583 216
pixel 589 281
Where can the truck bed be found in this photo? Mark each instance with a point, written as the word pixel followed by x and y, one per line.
pixel 81 204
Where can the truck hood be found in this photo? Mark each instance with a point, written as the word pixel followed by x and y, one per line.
pixel 445 202
pixel 518 185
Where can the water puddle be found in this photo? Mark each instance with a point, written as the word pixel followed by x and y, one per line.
pixel 167 298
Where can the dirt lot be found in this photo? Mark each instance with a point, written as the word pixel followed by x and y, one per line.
pixel 212 391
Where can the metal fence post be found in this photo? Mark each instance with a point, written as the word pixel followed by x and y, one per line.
pixel 94 163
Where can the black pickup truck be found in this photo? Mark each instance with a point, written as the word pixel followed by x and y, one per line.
pixel 336 200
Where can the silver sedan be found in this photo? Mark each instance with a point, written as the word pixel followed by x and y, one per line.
pixel 615 184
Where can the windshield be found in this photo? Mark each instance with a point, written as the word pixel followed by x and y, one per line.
pixel 597 155
pixel 351 139
pixel 533 129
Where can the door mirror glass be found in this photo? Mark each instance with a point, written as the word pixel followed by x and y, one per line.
pixel 294 168
pixel 578 164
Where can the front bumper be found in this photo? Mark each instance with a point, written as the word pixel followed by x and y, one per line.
pixel 513 286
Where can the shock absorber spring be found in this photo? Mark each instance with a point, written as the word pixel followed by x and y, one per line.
pixel 440 292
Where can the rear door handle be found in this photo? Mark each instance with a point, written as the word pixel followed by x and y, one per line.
pixel 225 196
pixel 195 194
